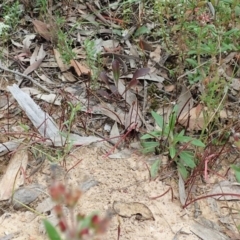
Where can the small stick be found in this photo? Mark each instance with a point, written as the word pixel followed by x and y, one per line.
pixel 27 77
pixel 96 13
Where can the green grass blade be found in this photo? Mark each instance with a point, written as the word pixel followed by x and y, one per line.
pixel 51 231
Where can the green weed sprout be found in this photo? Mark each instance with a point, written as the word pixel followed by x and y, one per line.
pixel 177 145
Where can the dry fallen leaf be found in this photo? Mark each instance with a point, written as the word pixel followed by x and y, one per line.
pixel 144 45
pixel 33 67
pixel 79 68
pixel 68 76
pixel 108 110
pixel 14 177
pixel 156 54
pixel 63 67
pixel 44 123
pixel 192 119
pixel 226 187
pixel 50 98
pixel 169 88
pixel 207 233
pixel 141 211
pixel 114 134
pixel 182 192
pixel 42 29
pixel 185 100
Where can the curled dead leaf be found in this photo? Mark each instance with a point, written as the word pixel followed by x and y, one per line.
pixel 13 178
pixel 185 101
pixel 42 29
pixel 141 211
pixel 193 119
pixel 79 68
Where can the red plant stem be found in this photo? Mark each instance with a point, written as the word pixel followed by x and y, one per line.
pixel 170 188
pixel 197 171
pixel 114 19
pixel 211 195
pixel 73 167
pixel 119 231
pixel 120 140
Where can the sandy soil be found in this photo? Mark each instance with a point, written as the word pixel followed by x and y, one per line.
pixel 124 180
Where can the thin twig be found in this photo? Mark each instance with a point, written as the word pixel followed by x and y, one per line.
pixel 96 13
pixel 27 77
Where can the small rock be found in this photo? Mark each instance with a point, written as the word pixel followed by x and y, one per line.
pixel 26 195
pixel 89 183
pixel 46 205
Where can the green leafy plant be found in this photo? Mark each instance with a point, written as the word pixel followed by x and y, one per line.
pixel 178 145
pixel 79 226
pixel 200 33
pixel 93 60
pixel 42 5
pixel 73 110
pixel 11 16
pixel 236 170
pixel 64 42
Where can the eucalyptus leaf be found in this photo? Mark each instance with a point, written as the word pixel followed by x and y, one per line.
pixel 116 70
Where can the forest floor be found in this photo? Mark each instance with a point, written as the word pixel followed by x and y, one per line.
pixel 129 110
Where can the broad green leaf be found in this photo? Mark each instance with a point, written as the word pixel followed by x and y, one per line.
pixel 179 137
pixel 197 143
pixel 51 231
pixel 237 11
pixel 154 168
pixel 232 31
pixel 236 171
pixel 185 139
pixel 172 151
pixel 175 108
pixel 149 146
pixel 152 135
pixel 158 119
pixel 181 134
pixel 166 130
pixel 141 30
pixel 194 63
pixel 187 158
pixel 183 171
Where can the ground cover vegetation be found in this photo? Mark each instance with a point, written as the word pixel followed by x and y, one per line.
pixel 161 73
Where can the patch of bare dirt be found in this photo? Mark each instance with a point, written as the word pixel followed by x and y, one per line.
pixel 125 180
